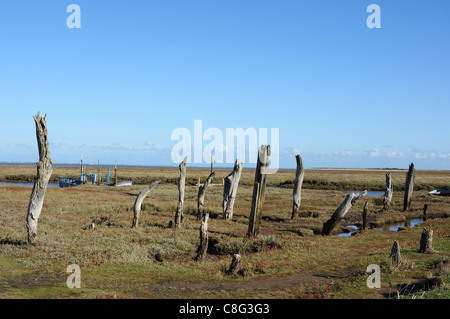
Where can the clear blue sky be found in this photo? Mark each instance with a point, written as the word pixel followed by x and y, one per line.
pixel 340 93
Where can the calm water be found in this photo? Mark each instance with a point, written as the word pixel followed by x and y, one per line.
pixel 369 193
pixel 387 227
pixel 27 184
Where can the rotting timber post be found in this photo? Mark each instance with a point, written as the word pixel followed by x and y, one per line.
pixel 138 203
pixel 258 191
pixel 409 186
pixel 181 185
pixel 297 193
pixel 341 211
pixel 44 171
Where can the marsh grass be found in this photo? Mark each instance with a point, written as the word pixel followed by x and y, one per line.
pixel 147 261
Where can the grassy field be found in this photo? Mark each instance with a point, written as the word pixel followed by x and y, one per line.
pixel 289 259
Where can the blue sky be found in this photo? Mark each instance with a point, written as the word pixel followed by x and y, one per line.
pixel 341 94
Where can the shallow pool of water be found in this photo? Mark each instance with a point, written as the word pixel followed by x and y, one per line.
pixel 27 184
pixel 387 227
pixel 369 193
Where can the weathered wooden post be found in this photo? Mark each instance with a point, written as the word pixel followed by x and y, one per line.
pixel 234 264
pixel 138 203
pixel 203 247
pixel 425 211
pixel 341 211
pixel 259 189
pixel 389 192
pixel 231 183
pixel 44 171
pixel 181 184
pixel 395 254
pixel 409 186
pixel 426 240
pixel 297 193
pixel 364 215
pixel 201 195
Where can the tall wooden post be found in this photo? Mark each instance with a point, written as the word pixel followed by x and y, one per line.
pixel 297 193
pixel 138 203
pixel 44 171
pixel 341 211
pixel 230 187
pixel 389 192
pixel 181 184
pixel 258 191
pixel 364 215
pixel 409 186
pixel 201 195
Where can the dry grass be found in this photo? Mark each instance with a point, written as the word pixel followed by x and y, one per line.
pixel 148 261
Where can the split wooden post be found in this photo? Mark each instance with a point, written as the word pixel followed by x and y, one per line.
pixel 203 247
pixel 341 211
pixel 389 192
pixel 425 211
pixel 234 264
pixel 138 203
pixel 364 215
pixel 44 171
pixel 297 194
pixel 259 189
pixel 201 195
pixel 409 186
pixel 426 240
pixel 230 187
pixel 181 185
pixel 395 254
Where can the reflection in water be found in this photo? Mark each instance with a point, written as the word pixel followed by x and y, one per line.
pixel 387 227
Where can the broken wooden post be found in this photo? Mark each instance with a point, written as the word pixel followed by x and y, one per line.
pixel 389 192
pixel 234 264
pixel 181 184
pixel 201 195
pixel 259 189
pixel 297 194
pixel 231 183
pixel 409 186
pixel 364 215
pixel 425 210
pixel 395 254
pixel 138 203
pixel 44 171
pixel 341 211
pixel 203 247
pixel 426 240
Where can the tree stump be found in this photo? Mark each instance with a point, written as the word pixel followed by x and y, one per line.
pixel 234 264
pixel 395 254
pixel 297 193
pixel 231 183
pixel 201 195
pixel 409 186
pixel 426 240
pixel 44 171
pixel 181 184
pixel 138 203
pixel 258 191
pixel 341 211
pixel 389 192
pixel 364 215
